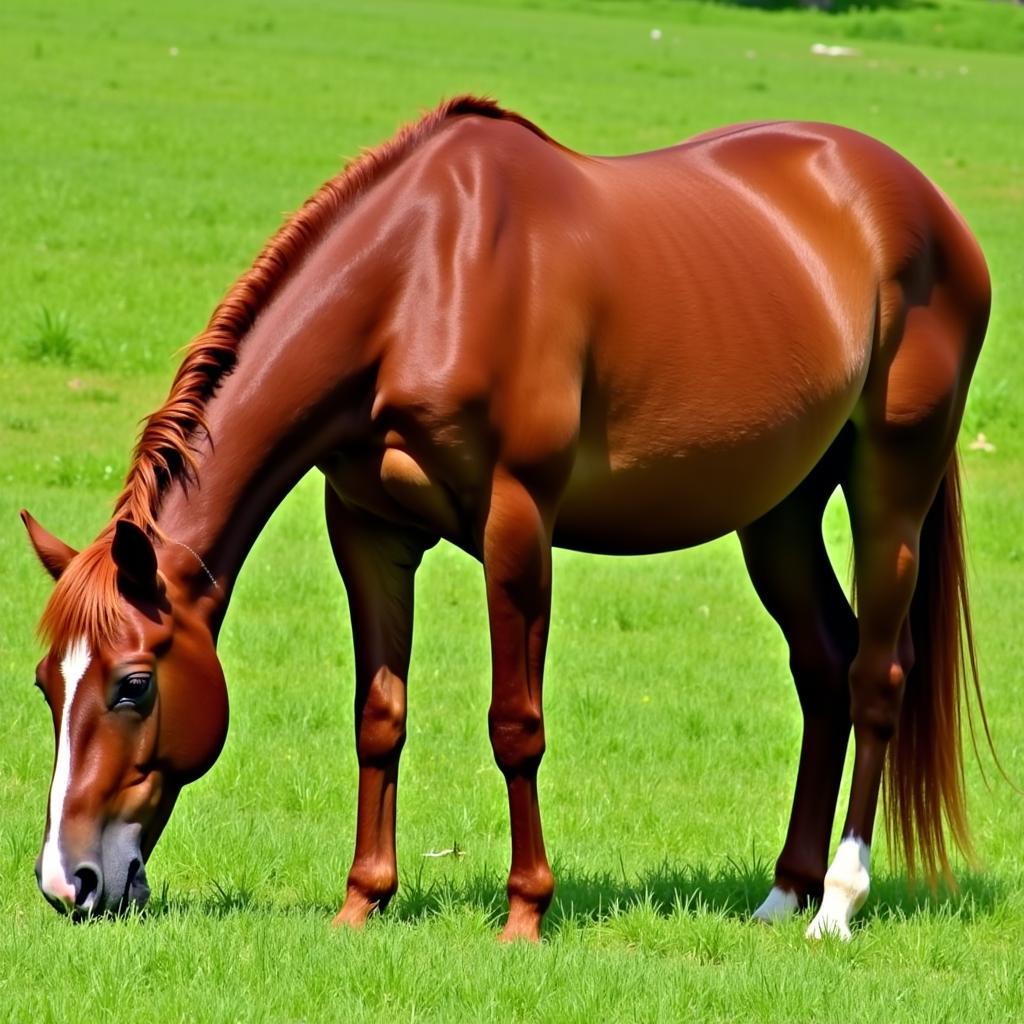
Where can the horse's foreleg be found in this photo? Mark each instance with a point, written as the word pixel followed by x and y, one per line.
pixel 790 570
pixel 517 567
pixel 377 564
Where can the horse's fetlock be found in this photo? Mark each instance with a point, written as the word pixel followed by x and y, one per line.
pixel 848 873
pixel 853 888
pixel 806 881
pixel 374 882
pixel 535 886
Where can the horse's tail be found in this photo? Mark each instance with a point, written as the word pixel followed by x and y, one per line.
pixel 924 788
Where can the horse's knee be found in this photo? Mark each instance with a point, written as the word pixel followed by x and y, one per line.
pixel 373 880
pixel 381 733
pixel 517 739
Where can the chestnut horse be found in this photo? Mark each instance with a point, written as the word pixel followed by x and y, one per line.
pixel 479 335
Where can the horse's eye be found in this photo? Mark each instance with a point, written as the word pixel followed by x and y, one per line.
pixel 133 689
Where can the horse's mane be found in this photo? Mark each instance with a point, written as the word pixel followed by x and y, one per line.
pixel 85 601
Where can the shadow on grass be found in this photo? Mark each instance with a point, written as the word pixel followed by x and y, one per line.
pixel 977 895
pixel 833 6
pixel 731 890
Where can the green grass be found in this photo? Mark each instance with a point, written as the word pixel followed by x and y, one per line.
pixel 146 156
pixel 52 339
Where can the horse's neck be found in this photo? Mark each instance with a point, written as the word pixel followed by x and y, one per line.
pixel 298 391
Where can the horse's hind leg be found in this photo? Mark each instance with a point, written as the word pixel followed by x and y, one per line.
pixel 906 430
pixel 377 563
pixel 886 534
pixel 790 569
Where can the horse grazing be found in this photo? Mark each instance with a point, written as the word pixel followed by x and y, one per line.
pixel 479 335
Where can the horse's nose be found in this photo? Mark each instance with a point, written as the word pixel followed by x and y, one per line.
pixel 53 884
pixel 88 886
pixel 79 894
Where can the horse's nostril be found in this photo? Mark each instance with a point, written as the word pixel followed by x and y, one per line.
pixel 87 887
pixel 133 871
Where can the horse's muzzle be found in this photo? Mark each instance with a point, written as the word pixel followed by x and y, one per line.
pixel 111 884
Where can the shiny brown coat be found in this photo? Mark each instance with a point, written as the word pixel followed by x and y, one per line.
pixel 481 336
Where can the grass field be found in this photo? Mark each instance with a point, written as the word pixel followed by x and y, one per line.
pixel 145 158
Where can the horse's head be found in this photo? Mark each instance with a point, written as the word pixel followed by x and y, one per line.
pixel 139 709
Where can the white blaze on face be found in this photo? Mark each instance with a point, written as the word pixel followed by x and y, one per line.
pixel 846 888
pixel 54 880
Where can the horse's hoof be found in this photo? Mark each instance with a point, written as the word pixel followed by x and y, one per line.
pixel 827 924
pixel 523 925
pixel 353 913
pixel 779 905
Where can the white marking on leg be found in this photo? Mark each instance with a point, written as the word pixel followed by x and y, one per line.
pixel 779 904
pixel 846 888
pixel 54 879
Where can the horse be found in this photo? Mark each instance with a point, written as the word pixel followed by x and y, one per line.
pixel 481 336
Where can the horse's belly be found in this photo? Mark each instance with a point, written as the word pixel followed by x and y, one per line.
pixel 680 499
pixel 687 435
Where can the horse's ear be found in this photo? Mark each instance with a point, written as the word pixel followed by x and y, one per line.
pixel 53 553
pixel 135 558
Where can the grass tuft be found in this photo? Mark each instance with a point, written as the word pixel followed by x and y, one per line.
pixel 52 339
